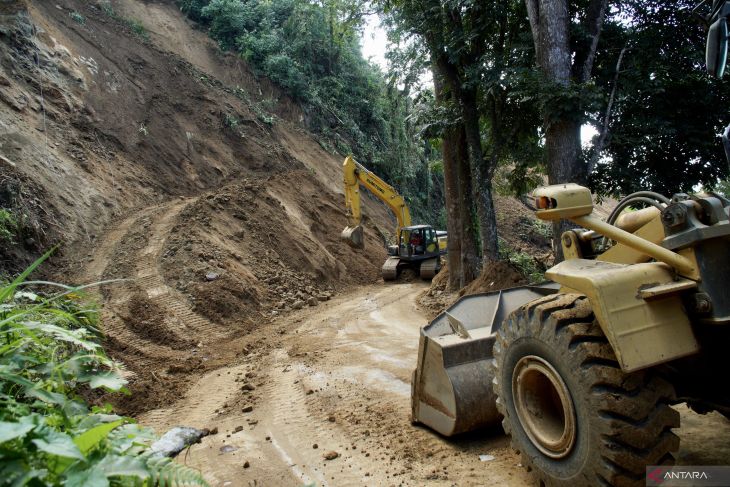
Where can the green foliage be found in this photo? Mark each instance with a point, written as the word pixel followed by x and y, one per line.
pixel 107 8
pixel 723 187
pixel 311 51
pixel 524 262
pixel 9 226
pixel 49 353
pixel 665 126
pixel 77 17
pixel 137 28
pixel 132 24
pixel 230 121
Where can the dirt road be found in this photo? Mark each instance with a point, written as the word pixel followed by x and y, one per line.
pixel 335 378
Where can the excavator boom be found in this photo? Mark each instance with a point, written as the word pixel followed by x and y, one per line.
pixel 356 174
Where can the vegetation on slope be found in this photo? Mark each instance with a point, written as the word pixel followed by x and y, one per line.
pixel 312 51
pixel 50 355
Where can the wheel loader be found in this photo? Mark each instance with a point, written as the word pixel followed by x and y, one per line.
pixel 582 371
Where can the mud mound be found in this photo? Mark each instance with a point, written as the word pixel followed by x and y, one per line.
pixel 499 275
pixel 496 276
pixel 265 247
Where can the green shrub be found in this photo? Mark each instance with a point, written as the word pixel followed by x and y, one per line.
pixel 77 17
pixel 137 28
pixel 8 226
pixel 524 262
pixel 49 353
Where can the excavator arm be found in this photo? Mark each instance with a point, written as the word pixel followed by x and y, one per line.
pixel 355 174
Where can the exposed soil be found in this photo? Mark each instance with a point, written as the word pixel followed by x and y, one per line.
pixel 338 414
pixel 233 304
pixel 498 276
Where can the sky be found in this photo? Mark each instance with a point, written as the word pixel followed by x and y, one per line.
pixel 374 43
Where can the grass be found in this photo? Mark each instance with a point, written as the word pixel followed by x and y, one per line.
pixel 77 17
pixel 50 354
pixel 134 25
pixel 8 226
pixel 524 262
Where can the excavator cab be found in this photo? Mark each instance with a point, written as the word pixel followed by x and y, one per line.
pixel 418 248
pixel 417 241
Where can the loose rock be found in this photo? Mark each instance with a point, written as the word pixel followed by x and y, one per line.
pixel 331 455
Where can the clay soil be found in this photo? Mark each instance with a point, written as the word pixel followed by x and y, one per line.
pixel 169 169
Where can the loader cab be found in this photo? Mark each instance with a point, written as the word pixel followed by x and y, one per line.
pixel 418 241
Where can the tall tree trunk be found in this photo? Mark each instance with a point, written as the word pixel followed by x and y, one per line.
pixel 452 196
pixel 550 25
pixel 483 171
pixel 470 264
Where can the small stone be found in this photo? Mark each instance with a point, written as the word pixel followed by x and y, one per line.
pixel 246 464
pixel 237 429
pixel 248 387
pixel 214 431
pixel 310 391
pixel 247 408
pixel 331 419
pixel 298 304
pixel 211 276
pixel 331 455
pixel 312 301
pixel 315 446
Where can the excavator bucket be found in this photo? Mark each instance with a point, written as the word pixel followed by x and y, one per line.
pixel 451 390
pixel 353 236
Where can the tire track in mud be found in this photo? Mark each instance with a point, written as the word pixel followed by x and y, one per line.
pixel 150 326
pixel 145 280
pixel 296 424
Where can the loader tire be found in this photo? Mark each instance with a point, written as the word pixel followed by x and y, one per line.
pixel 571 412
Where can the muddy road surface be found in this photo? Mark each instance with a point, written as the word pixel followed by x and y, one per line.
pixel 327 401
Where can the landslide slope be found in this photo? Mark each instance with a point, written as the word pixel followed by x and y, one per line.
pixel 128 136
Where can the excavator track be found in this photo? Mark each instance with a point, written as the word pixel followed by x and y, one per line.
pixel 429 268
pixel 390 269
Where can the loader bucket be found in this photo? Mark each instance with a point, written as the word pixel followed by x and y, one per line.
pixel 353 236
pixel 451 390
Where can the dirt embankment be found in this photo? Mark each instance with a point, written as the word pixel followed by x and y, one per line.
pixel 155 158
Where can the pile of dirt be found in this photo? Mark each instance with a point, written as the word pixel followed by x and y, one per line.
pixel 522 234
pixel 265 247
pixel 164 163
pixel 497 276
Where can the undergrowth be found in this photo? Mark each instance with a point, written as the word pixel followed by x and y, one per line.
pixel 8 226
pixel 133 24
pixel 525 263
pixel 50 353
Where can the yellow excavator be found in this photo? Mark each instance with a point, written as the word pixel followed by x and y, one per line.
pixel 418 247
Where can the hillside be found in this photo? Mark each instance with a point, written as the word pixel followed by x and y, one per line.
pixel 150 155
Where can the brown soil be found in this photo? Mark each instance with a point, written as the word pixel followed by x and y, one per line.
pixel 498 276
pixel 338 377
pixel 126 152
pixel 236 306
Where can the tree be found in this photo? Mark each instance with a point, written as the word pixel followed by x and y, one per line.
pixel 479 63
pixel 663 129
pixel 566 38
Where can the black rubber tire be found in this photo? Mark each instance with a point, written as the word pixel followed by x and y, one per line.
pixel 623 421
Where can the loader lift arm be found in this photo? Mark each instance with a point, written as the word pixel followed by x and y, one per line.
pixel 355 174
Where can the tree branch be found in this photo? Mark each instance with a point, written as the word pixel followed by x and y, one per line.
pixel 592 24
pixel 603 136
